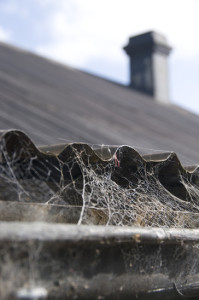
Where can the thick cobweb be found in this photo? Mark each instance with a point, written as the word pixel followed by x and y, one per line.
pixel 95 185
pixel 81 184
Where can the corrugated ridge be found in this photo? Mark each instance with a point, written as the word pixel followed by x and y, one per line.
pixel 75 166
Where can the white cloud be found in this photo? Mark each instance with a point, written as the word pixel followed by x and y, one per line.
pixel 4 34
pixel 81 29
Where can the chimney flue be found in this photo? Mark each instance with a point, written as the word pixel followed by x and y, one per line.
pixel 148 64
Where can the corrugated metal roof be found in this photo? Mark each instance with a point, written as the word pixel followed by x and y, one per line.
pixel 154 190
pixel 55 103
pixel 53 261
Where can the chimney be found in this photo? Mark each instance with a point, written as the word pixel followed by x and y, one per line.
pixel 148 64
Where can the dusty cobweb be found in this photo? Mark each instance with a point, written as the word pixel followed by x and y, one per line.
pixel 109 185
pixel 94 185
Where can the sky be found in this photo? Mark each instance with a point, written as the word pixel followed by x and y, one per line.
pixel 90 35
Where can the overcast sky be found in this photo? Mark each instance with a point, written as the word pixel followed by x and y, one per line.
pixel 90 35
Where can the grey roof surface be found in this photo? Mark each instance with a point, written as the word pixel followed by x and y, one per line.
pixel 55 104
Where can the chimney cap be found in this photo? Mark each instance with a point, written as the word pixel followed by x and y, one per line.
pixel 148 54
pixel 153 41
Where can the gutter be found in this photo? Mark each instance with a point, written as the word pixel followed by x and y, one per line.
pixel 98 262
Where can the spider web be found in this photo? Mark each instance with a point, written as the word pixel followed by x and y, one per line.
pixel 94 185
pixel 81 184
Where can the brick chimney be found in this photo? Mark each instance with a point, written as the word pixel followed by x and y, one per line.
pixel 148 64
